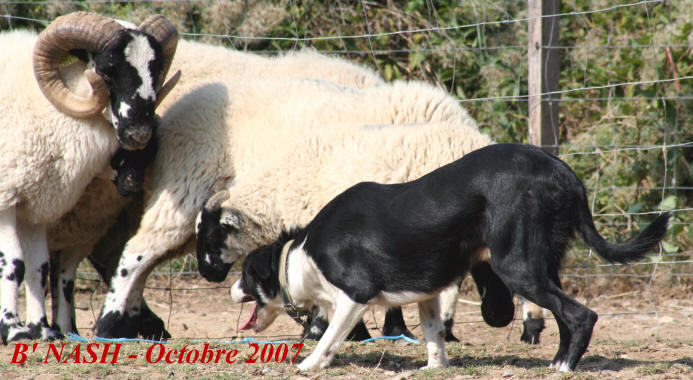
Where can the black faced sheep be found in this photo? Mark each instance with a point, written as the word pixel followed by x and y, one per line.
pixel 228 129
pixel 56 139
pixel 290 190
pixel 78 233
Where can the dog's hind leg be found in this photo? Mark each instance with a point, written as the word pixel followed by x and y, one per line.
pixel 578 321
pixel 394 323
pixel 575 321
pixel 346 314
pixel 434 333
pixel 564 333
pixel 563 345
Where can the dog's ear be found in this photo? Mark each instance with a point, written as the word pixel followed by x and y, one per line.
pixel 262 263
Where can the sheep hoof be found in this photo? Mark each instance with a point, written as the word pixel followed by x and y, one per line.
pixel 449 336
pixel 14 332
pixel 41 330
pixel 116 325
pixel 49 334
pixel 151 326
pixel 532 330
pixel 359 333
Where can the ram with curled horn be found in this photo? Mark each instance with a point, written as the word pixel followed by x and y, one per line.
pixel 55 137
pixel 126 66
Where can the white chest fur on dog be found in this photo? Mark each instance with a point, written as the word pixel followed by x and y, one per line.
pixel 307 285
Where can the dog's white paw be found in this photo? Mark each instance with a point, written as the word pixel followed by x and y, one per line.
pixel 436 365
pixel 309 364
pixel 560 366
pixel 564 367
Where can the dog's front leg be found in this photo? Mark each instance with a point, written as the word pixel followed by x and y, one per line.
pixel 347 313
pixel 434 333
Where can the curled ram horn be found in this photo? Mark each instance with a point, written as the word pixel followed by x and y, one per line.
pixel 167 87
pixel 79 30
pixel 166 34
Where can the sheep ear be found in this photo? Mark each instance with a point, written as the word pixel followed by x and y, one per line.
pixel 231 218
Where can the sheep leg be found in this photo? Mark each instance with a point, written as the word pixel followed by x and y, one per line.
pixel 434 333
pixel 11 276
pixel 35 247
pixel 63 272
pixel 448 304
pixel 532 320
pixel 106 255
pixel 319 322
pixel 150 325
pixel 394 323
pixel 121 315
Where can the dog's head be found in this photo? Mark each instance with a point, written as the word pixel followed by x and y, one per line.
pixel 224 235
pixel 259 282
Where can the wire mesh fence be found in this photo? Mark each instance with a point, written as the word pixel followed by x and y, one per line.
pixel 626 90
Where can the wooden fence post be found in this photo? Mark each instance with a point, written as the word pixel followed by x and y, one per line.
pixel 543 67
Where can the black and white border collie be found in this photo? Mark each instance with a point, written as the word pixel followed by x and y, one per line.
pixel 403 243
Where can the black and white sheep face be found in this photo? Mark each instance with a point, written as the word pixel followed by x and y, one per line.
pixel 222 239
pixel 131 66
pixel 213 241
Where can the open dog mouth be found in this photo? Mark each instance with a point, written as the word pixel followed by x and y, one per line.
pixel 252 319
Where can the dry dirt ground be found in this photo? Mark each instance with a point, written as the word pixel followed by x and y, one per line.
pixel 630 341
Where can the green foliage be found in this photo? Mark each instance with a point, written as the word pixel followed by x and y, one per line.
pixel 598 137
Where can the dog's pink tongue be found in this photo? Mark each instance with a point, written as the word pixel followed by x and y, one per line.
pixel 251 320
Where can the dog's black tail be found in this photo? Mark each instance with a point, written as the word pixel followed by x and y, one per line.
pixel 632 250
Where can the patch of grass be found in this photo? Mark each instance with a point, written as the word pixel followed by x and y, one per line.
pixel 576 376
pixel 473 371
pixel 337 372
pixel 653 369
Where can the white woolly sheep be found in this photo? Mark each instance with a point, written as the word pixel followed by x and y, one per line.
pixel 228 130
pixel 290 190
pixel 78 232
pixel 55 137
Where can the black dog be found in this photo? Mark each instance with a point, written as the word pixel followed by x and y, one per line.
pixel 402 243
